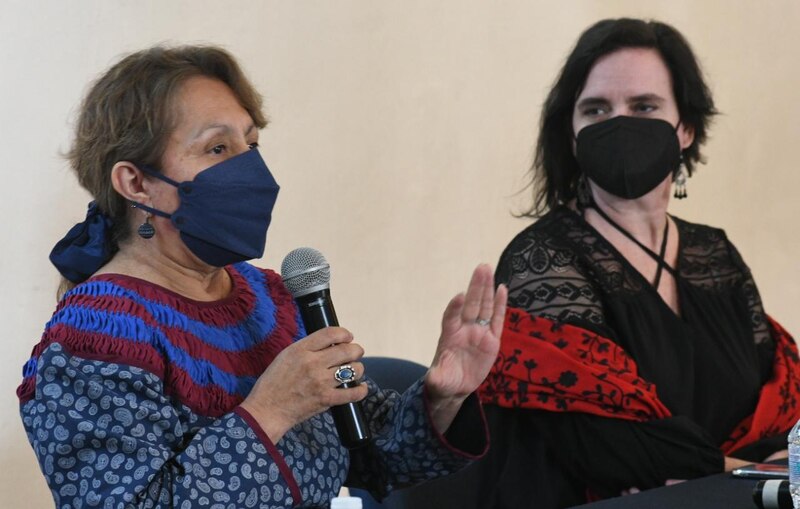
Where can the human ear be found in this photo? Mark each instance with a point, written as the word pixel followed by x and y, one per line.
pixel 685 135
pixel 128 180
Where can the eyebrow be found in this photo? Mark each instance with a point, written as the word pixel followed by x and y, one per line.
pixel 601 101
pixel 646 97
pixel 221 127
pixel 591 101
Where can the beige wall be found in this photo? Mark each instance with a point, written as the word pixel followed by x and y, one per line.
pixel 401 131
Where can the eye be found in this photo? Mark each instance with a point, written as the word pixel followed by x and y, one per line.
pixel 218 149
pixel 645 107
pixel 253 145
pixel 594 111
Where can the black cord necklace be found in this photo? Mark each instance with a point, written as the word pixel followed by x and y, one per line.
pixel 659 258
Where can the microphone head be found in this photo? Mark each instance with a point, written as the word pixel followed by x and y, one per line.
pixel 304 270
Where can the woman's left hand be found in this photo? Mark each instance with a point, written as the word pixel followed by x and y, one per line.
pixel 468 346
pixel 777 455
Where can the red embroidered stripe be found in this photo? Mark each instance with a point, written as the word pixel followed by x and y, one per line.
pixel 95 346
pixel 229 311
pixel 286 472
pixel 248 362
pixel 210 399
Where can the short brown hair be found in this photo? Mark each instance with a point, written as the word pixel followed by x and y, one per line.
pixel 129 111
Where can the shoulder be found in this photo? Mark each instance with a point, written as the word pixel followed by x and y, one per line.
pixel 696 234
pixel 110 314
pixel 545 270
pixel 541 247
pixel 98 319
pixel 544 228
pixel 707 256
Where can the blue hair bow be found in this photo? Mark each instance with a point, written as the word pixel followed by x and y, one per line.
pixel 85 248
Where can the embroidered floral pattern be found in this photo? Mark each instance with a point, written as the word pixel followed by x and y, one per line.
pixel 562 368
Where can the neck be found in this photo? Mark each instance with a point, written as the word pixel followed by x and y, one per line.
pixel 645 218
pixel 181 274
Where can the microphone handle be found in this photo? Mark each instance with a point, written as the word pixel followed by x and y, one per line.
pixel 318 312
pixel 773 494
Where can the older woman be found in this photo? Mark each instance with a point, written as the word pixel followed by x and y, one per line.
pixel 635 348
pixel 175 374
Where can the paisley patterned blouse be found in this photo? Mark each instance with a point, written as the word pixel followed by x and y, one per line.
pixel 131 399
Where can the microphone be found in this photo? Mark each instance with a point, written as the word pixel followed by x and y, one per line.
pixel 307 275
pixel 772 494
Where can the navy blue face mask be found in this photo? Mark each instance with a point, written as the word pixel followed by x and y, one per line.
pixel 225 211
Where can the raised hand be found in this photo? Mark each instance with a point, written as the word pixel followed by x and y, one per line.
pixel 471 327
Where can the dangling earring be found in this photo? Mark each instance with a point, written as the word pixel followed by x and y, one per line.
pixel 681 176
pixel 146 230
pixel 583 193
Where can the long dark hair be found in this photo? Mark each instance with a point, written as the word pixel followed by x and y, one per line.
pixel 555 169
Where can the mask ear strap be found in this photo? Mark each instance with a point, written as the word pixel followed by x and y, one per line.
pixel 157 174
pixel 156 212
pixel 160 176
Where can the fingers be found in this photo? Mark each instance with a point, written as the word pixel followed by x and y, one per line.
pixel 451 319
pixel 341 395
pixel 326 337
pixel 487 296
pixel 358 372
pixel 473 300
pixel 500 300
pixel 338 355
pixel 332 348
pixel 305 379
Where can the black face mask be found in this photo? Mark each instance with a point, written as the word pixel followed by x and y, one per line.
pixel 628 156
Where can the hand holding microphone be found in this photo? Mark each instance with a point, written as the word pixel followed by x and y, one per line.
pixel 300 382
pixel 318 372
pixel 306 274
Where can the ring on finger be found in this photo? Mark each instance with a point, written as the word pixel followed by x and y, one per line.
pixel 483 321
pixel 345 374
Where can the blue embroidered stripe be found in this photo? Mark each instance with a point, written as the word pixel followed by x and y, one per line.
pixel 230 338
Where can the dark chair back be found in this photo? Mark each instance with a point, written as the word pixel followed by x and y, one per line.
pixel 392 373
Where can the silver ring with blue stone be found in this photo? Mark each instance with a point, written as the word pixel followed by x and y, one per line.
pixel 345 374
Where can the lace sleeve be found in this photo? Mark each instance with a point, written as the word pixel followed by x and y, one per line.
pixel 749 291
pixel 712 262
pixel 544 277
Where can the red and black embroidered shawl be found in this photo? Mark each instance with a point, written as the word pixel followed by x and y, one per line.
pixel 563 368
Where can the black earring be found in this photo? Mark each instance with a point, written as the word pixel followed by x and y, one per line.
pixel 583 193
pixel 146 230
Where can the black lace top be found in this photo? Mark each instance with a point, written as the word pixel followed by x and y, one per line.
pixel 708 365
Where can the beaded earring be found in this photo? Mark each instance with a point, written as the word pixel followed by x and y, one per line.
pixel 146 230
pixel 681 176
